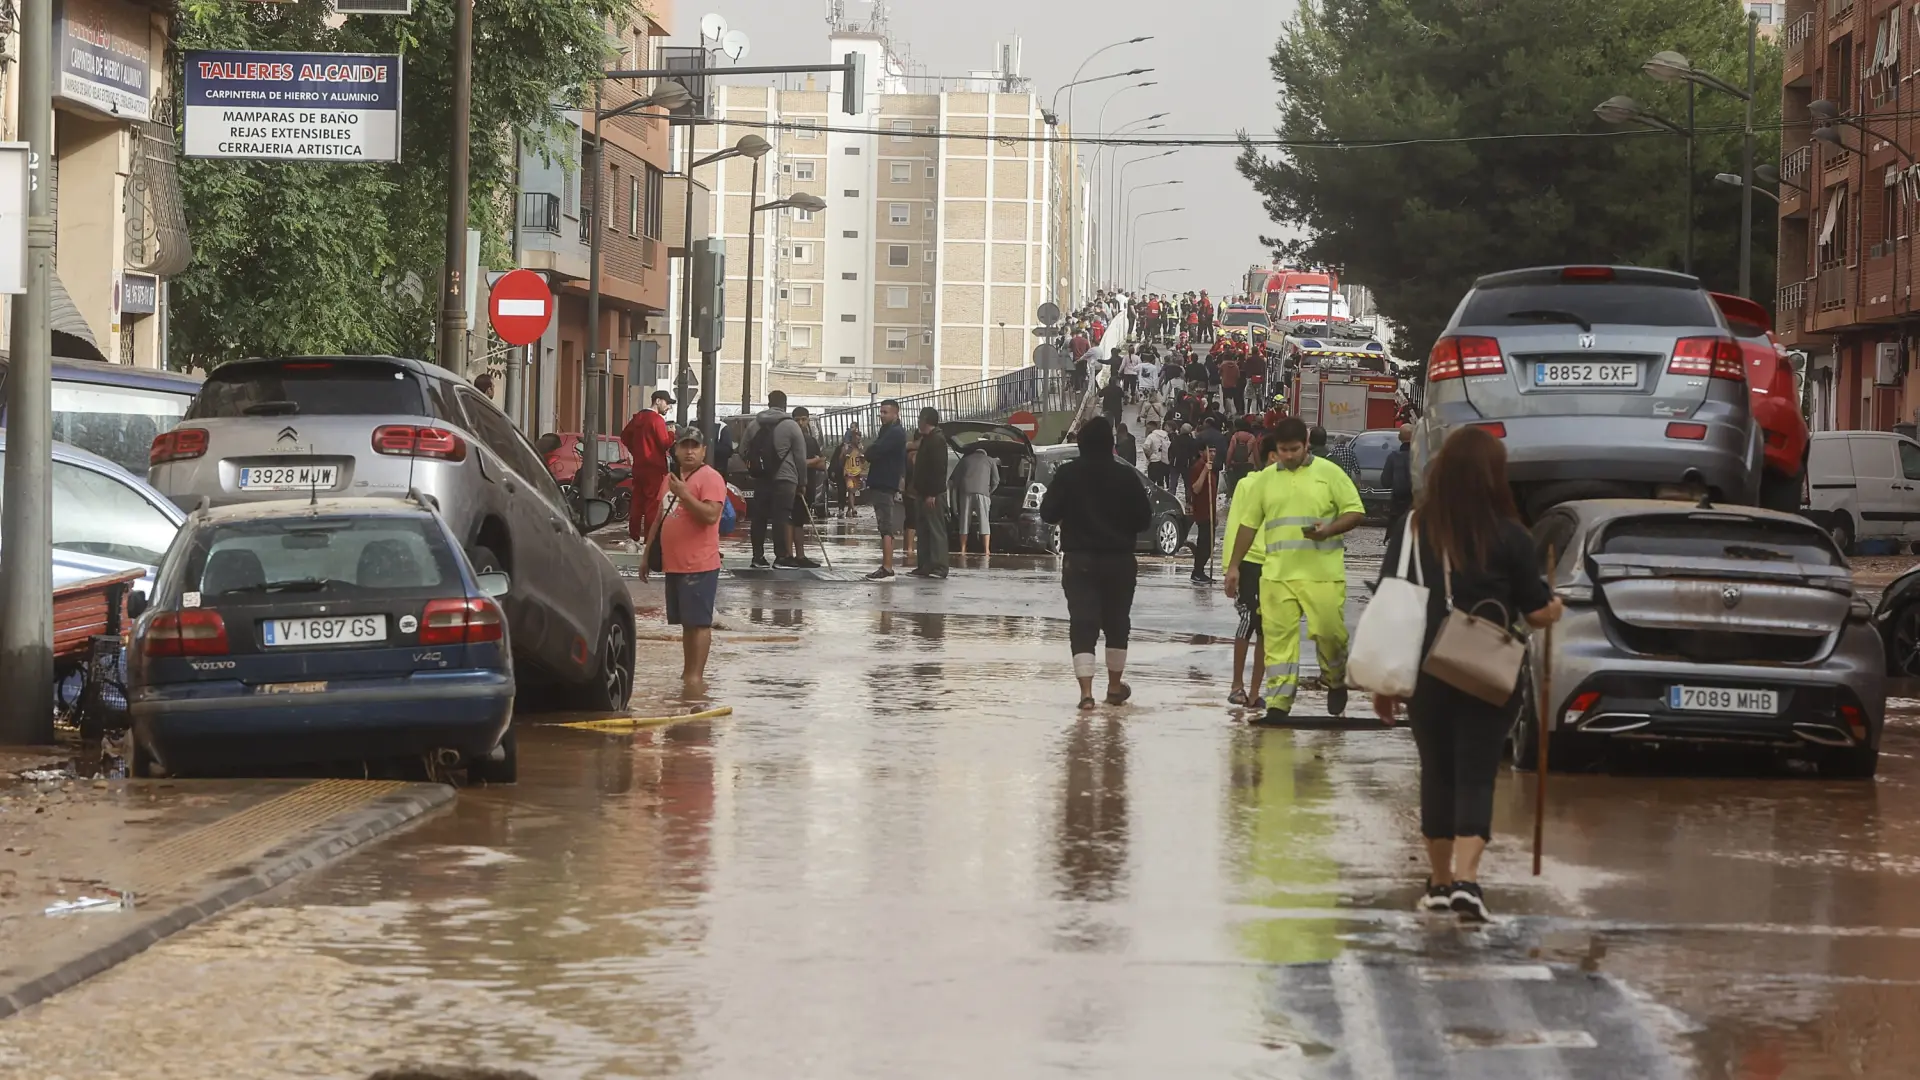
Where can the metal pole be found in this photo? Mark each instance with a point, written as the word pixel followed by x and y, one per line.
pixel 516 360
pixel 26 578
pixel 453 300
pixel 588 483
pixel 1687 259
pixel 686 299
pixel 746 357
pixel 1746 173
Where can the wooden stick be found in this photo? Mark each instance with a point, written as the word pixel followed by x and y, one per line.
pixel 1546 703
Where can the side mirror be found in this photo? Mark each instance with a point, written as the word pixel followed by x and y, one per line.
pixel 594 514
pixel 136 604
pixel 495 584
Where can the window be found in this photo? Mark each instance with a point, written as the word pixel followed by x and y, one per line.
pixel 897 255
pixel 806 129
pixel 927 256
pixel 96 513
pixel 926 337
pixel 900 171
pixel 1889 211
pixel 902 130
pixel 803 170
pixel 799 214
pixel 927 297
pixel 803 337
pixel 896 296
pixel 850 276
pixel 507 444
pixel 803 296
pixel 315 387
pixel 119 423
pixel 899 213
pixel 896 341
pixel 654 209
pixel 332 557
pixel 633 206
pixel 852 151
pixel 1909 460
pixel 849 318
pixel 803 253
pixel 851 193
pixel 850 234
pixel 930 172
pixel 929 213
pixel 846 359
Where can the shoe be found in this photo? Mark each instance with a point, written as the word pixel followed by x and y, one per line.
pixel 804 563
pixel 786 561
pixel 1337 701
pixel 920 572
pixel 882 574
pixel 1238 697
pixel 936 575
pixel 1437 898
pixel 1469 902
pixel 1120 696
pixel 760 563
pixel 1274 718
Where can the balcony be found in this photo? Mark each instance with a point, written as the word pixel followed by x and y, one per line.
pixel 1794 167
pixel 1794 50
pixel 1788 316
pixel 540 212
pixel 649 251
pixel 1832 286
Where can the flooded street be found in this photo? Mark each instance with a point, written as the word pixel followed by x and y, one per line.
pixel 906 854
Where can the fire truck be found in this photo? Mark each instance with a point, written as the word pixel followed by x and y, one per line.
pixel 1343 386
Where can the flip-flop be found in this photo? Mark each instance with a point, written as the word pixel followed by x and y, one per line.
pixel 1120 697
pixel 1087 704
pixel 1238 697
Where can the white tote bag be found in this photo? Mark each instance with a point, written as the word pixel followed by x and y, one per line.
pixel 1385 658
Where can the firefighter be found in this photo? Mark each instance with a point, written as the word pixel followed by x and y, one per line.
pixel 1304 506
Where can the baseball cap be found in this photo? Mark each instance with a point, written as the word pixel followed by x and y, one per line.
pixel 691 434
pixel 662 394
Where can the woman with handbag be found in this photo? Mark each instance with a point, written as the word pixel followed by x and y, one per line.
pixel 1480 571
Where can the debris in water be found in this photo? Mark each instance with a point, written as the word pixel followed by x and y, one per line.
pixel 115 900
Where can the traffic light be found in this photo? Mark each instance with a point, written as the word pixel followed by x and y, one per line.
pixel 710 293
pixel 853 96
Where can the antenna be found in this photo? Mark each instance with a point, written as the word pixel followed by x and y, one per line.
pixel 313 481
pixel 836 15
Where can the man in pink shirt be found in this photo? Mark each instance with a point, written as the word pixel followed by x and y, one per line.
pixel 690 555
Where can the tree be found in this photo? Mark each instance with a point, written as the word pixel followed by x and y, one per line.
pixel 1491 157
pixel 312 257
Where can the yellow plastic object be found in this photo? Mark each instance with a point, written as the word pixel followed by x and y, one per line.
pixel 634 723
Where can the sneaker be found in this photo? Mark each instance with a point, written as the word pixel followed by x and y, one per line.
pixel 804 563
pixel 1337 701
pixel 760 563
pixel 1437 898
pixel 920 571
pixel 1469 902
pixel 786 561
pixel 882 574
pixel 1274 718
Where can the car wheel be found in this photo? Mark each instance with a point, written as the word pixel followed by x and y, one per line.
pixel 612 683
pixel 1166 536
pixel 484 560
pixel 140 763
pixel 1857 763
pixel 505 771
pixel 1840 527
pixel 1903 641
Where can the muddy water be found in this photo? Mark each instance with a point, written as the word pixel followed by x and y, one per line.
pixel 905 854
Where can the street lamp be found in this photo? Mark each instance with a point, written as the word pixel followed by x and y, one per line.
pixel 1123 238
pixel 812 204
pixel 1072 244
pixel 1139 250
pixel 1168 270
pixel 748 146
pixel 1122 197
pixel 1734 180
pixel 1620 109
pixel 1767 174
pixel 1101 126
pixel 1134 224
pixel 1108 191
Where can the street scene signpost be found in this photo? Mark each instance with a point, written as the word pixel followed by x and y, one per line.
pixel 293 106
pixel 520 306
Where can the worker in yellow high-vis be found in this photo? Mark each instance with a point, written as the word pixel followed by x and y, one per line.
pixel 1304 505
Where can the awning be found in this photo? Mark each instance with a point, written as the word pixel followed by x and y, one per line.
pixel 71 334
pixel 1835 203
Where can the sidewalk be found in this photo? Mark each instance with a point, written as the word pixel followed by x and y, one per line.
pixel 165 854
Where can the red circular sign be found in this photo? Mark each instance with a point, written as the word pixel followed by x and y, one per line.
pixel 520 306
pixel 1024 422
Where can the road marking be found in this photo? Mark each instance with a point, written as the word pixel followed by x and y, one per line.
pixel 1515 972
pixel 1362 1037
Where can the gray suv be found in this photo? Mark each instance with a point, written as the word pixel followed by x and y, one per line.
pixel 333 426
pixel 1604 381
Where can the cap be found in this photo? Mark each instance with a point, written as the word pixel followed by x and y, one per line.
pixel 662 394
pixel 691 434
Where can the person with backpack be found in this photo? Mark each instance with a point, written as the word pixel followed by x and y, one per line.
pixel 777 460
pixel 1230 385
pixel 1241 452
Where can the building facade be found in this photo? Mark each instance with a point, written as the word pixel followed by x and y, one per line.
pixel 937 245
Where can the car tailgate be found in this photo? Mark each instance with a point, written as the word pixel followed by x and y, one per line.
pixel 1538 357
pixel 1707 600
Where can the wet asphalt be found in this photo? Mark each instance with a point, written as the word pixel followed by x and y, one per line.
pixel 905 854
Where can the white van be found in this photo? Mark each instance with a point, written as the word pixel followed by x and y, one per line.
pixel 1864 485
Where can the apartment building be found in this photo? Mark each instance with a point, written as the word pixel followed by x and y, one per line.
pixel 1846 251
pixel 937 244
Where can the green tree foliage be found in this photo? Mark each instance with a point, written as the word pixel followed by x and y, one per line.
pixel 1419 221
pixel 312 257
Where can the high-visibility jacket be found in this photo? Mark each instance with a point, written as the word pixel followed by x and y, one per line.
pixel 1245 510
pixel 1289 501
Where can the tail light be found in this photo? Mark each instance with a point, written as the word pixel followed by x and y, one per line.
pixel 1578 707
pixel 1587 273
pixel 1856 723
pixel 461 622
pixel 1496 429
pixel 186 633
pixel 1679 430
pixel 405 440
pixel 1458 357
pixel 180 444
pixel 1715 357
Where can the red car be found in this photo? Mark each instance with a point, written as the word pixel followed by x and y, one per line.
pixel 564 462
pixel 1775 395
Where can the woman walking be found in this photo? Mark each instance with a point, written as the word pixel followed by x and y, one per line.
pixel 1471 543
pixel 1101 509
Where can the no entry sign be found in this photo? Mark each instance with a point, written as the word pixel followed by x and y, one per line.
pixel 1025 423
pixel 520 306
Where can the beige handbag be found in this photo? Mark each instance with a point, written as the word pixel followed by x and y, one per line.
pixel 1475 655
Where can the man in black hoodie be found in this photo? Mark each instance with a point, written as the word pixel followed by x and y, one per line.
pixel 1101 509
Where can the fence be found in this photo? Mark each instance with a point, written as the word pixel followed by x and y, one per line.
pixel 989 399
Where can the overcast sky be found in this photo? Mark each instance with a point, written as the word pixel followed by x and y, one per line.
pixel 1210 59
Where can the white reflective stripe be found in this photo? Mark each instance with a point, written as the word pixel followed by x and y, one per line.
pixel 1277 671
pixel 1335 544
pixel 1282 522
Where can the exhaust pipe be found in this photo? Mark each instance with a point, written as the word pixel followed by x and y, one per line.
pixel 1616 723
pixel 446 758
pixel 1823 734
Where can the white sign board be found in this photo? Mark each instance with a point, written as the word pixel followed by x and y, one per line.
pixel 15 182
pixel 293 106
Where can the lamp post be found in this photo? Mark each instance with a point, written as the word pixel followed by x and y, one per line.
pixel 1672 66
pixel 1121 196
pixel 748 146
pixel 1767 174
pixel 1100 129
pixel 1124 237
pixel 813 204
pixel 1139 250
pixel 1106 188
pixel 1621 109
pixel 1074 195
pixel 1169 270
pixel 1133 226
pixel 670 96
pixel 1734 180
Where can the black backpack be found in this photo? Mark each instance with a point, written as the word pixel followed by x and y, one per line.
pixel 1239 454
pixel 763 453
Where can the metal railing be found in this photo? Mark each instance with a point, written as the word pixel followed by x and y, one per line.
pixel 540 212
pixel 1797 164
pixel 1838 10
pixel 1832 285
pixel 989 399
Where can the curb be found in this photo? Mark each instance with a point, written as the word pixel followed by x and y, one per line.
pixel 302 853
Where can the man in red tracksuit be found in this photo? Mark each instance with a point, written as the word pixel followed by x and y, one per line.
pixel 648 440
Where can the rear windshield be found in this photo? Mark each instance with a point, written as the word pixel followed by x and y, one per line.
pixel 1244 318
pixel 1698 536
pixel 323 556
pixel 1372 448
pixel 309 388
pixel 98 514
pixel 116 422
pixel 1610 303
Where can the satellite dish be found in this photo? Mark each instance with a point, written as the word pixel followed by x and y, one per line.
pixel 735 44
pixel 713 27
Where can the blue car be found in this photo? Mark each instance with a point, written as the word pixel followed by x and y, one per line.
pixel 321 631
